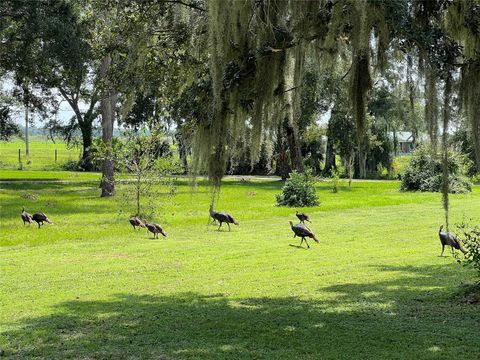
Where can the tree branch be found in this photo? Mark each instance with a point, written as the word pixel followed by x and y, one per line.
pixel 293 88
pixel 344 76
pixel 73 104
pixel 190 5
pixel 93 102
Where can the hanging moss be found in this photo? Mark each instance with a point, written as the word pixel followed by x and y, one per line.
pixel 447 94
pixel 228 37
pixel 431 105
pixel 462 20
pixel 360 84
pixel 360 81
pixel 471 101
pixel 256 64
pixel 257 51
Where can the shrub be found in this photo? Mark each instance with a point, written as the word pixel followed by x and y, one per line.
pixel 470 238
pixel 299 190
pixel 335 180
pixel 424 172
pixel 70 165
pixel 382 172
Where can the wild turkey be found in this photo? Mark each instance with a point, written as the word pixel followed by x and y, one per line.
pixel 449 239
pixel 303 217
pixel 155 229
pixel 40 218
pixel 26 217
pixel 212 213
pixel 222 217
pixel 303 231
pixel 135 221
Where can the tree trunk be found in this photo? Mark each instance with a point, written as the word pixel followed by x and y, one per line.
pixel 294 145
pixel 86 161
pixel 395 143
pixel 107 104
pixel 329 157
pixel 26 94
pixel 85 122
pixel 282 167
pixel 362 164
pixel 27 145
pixel 183 156
pixel 182 151
pixel 351 167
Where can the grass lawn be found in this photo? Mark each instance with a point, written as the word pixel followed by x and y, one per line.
pixel 90 287
pixel 42 154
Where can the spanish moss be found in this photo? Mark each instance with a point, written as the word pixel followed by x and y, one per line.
pixel 463 22
pixel 447 94
pixel 431 105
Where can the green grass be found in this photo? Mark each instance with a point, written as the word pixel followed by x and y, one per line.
pixel 89 287
pixel 42 154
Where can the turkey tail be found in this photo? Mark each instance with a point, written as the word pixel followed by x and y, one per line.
pixel 458 245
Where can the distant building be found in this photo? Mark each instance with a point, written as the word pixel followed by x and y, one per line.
pixel 405 141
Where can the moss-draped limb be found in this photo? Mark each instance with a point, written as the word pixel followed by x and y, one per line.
pixel 447 95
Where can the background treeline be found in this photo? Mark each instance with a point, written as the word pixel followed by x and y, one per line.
pixel 248 87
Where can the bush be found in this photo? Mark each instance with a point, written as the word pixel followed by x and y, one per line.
pixel 382 172
pixel 424 173
pixel 71 165
pixel 299 190
pixel 470 238
pixel 335 180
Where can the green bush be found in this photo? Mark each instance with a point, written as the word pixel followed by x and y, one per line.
pixel 71 165
pixel 335 179
pixel 470 238
pixel 299 191
pixel 382 171
pixel 424 172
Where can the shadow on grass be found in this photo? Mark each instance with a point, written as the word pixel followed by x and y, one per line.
pixel 298 247
pixel 406 318
pixel 39 186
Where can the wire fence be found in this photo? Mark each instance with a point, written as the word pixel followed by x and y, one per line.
pixel 42 156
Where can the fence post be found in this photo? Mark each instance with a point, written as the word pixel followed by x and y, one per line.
pixel 19 156
pixel 55 155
